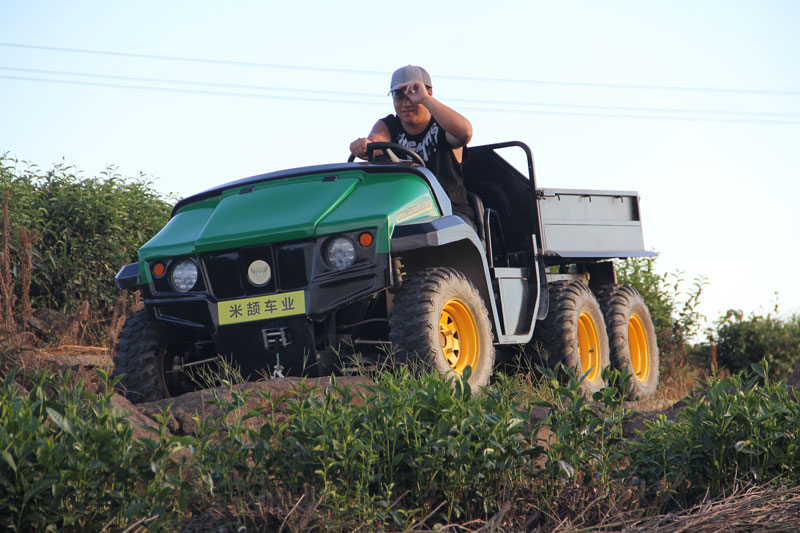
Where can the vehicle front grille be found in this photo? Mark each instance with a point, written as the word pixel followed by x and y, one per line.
pixel 227 271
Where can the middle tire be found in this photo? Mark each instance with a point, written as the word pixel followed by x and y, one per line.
pixel 574 332
pixel 439 318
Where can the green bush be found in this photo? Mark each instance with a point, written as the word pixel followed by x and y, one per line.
pixel 69 461
pixel 742 428
pixel 415 452
pixel 417 445
pixel 589 447
pixel 743 342
pixel 87 229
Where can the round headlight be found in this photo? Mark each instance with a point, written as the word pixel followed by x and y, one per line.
pixel 184 275
pixel 259 273
pixel 340 253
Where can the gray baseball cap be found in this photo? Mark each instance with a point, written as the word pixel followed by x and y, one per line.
pixel 410 73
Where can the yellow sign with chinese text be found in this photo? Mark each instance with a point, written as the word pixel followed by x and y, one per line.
pixel 261 307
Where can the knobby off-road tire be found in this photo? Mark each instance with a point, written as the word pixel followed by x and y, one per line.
pixel 631 336
pixel 574 333
pixel 139 357
pixel 439 319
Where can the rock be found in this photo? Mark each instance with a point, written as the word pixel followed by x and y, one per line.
pixel 142 425
pixel 72 361
pixel 268 397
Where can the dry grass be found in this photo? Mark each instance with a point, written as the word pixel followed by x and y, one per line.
pixel 676 384
pixel 760 508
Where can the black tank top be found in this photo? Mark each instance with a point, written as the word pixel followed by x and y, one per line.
pixel 432 146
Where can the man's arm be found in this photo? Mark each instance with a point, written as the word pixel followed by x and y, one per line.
pixel 379 133
pixel 458 129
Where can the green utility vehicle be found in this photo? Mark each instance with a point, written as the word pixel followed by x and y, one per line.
pixel 304 271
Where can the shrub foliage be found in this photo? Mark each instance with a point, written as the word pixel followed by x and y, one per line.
pixel 86 228
pixel 416 444
pixel 743 428
pixel 743 342
pixel 68 461
pixel 413 453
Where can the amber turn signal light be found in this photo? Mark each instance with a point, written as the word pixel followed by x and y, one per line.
pixel 365 239
pixel 159 269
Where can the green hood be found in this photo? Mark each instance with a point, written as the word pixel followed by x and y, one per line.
pixel 292 209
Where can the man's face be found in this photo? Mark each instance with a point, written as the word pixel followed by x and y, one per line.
pixel 407 111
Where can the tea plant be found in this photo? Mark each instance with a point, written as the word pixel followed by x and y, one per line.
pixel 742 428
pixel 412 453
pixel 588 447
pixel 86 229
pixel 417 444
pixel 69 461
pixel 742 342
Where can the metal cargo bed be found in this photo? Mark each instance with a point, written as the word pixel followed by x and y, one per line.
pixel 589 224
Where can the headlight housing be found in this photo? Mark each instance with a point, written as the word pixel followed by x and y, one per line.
pixel 340 253
pixel 184 275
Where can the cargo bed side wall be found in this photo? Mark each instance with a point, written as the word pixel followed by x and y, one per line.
pixel 587 224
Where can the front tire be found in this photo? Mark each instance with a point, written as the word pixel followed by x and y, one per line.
pixel 141 358
pixel 439 318
pixel 632 337
pixel 574 333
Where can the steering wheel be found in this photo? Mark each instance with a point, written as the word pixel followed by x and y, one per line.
pixel 390 149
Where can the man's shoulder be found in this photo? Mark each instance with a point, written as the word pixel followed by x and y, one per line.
pixel 390 120
pixel 393 125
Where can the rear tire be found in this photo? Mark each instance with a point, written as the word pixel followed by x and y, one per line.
pixel 574 333
pixel 438 318
pixel 632 337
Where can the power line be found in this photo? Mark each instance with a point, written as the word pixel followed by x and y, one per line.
pixel 194 59
pixel 186 91
pixel 756 114
pixel 190 82
pixel 662 116
pixel 327 93
pixel 594 85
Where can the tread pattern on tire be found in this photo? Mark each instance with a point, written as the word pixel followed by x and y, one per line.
pixel 137 360
pixel 414 321
pixel 616 301
pixel 557 331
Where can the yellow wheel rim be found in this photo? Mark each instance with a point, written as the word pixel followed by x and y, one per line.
pixel 639 348
pixel 458 336
pixel 589 347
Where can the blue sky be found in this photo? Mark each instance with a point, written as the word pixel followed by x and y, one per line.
pixel 694 104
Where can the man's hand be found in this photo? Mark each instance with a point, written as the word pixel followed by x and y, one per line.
pixel 379 134
pixel 415 91
pixel 359 147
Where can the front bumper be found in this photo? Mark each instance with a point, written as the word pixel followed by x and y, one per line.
pixel 266 332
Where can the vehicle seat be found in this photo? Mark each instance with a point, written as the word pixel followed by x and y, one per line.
pixel 478 210
pixel 483 217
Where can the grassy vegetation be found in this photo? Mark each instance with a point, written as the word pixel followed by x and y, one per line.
pixel 412 452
